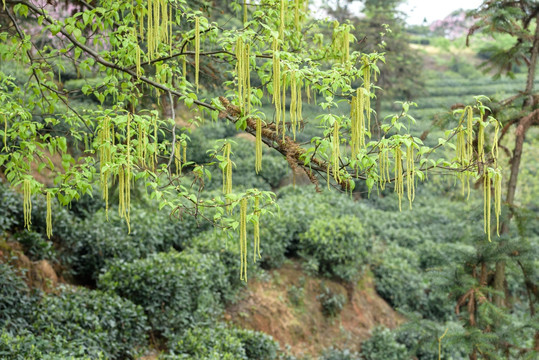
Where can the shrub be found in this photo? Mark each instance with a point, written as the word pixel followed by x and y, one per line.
pixel 94 241
pixel 258 345
pixel 222 342
pixel 337 245
pixel 35 246
pixel 398 279
pixel 207 343
pixel 227 252
pixel 336 354
pixel 93 320
pixel 11 210
pixel 27 346
pixel 401 282
pixel 382 345
pixel 331 302
pixel 176 290
pixel 16 301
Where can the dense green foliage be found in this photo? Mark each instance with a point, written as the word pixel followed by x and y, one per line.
pixel 177 290
pixel 161 245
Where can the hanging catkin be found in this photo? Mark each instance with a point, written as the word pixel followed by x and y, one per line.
pixel 367 95
pixel 27 203
pixel 276 83
pixel 399 184
pixel 481 142
pixel 410 186
pixel 383 163
pixel 256 231
pixel 297 6
pixel 105 157
pixel 487 203
pixel 335 152
pixel 49 215
pixel 243 239
pixel 469 132
pixel 244 12
pixel 124 179
pixel 293 102
pixel 177 158
pixel 258 145
pixel 345 46
pixel 197 50
pixel 158 26
pixel 357 141
pixel 244 77
pixel 227 170
pixel 281 20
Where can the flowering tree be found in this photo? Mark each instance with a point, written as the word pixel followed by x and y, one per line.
pixel 158 49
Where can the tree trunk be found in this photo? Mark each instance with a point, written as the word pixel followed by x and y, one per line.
pixel 522 128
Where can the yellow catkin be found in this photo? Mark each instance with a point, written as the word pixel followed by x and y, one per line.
pixel 367 95
pixel 276 83
pixel 299 101
pixel 197 50
pixel 346 46
pixel 177 158
pixel 244 12
pixel 487 202
pixel 383 162
pixel 27 203
pixel 357 123
pixel 469 132
pixel 105 138
pixel 125 179
pixel 155 143
pixel 121 192
pixel 258 145
pixel 296 15
pixel 137 58
pixel 184 151
pixel 335 152
pixel 308 91
pixel 481 143
pixel 494 150
pixel 283 110
pixel 244 78
pixel 399 184
pixel 256 231
pixel 243 239
pixel 410 174
pixel 293 102
pixel 281 20
pixel 498 199
pixel 49 214
pixel 227 170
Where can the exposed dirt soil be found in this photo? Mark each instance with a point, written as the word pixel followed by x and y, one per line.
pixel 37 274
pixel 269 306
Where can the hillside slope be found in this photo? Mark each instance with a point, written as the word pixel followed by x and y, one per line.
pixel 287 305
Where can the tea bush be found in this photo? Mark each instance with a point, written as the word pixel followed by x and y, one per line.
pixel 336 245
pixel 382 345
pixel 176 290
pixel 93 320
pixel 94 241
pixel 27 346
pixel 35 246
pixel 222 342
pixel 331 302
pixel 16 301
pixel 336 354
